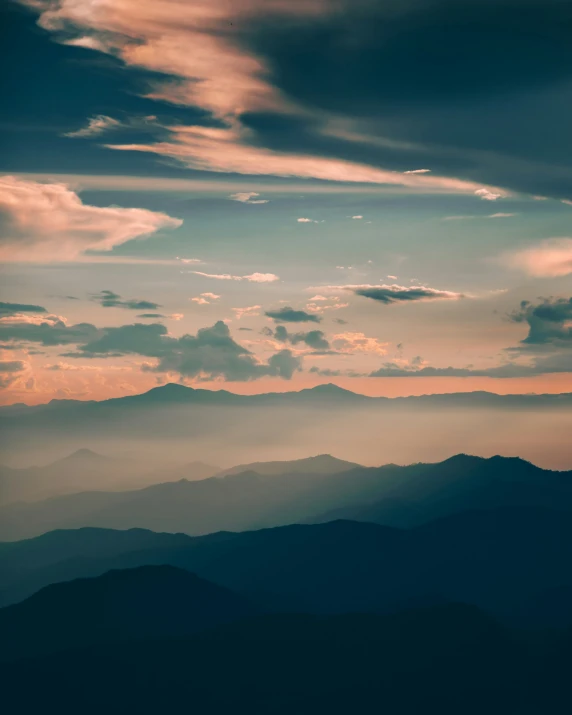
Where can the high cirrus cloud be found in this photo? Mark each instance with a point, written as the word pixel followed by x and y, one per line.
pixel 203 50
pixel 50 222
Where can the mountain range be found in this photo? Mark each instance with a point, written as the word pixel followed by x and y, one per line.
pixel 394 495
pixel 511 562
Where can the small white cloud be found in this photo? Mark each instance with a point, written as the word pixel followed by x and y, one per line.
pixel 249 311
pixel 488 195
pixel 210 296
pixel 501 215
pixel 247 197
pixel 305 220
pixel 357 217
pixel 189 260
pixel 261 278
pixel 253 277
pixel 568 202
pixel 393 278
pixel 417 171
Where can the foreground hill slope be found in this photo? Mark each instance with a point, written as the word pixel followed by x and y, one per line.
pixel 451 659
pixel 146 602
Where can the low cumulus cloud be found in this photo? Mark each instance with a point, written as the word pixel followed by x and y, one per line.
pixel 289 315
pixel 109 299
pixel 314 339
pixel 549 322
pixel 50 222
pixel 210 354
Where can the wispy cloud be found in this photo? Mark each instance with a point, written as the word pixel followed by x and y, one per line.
pixel 95 126
pixel 252 278
pixel 549 259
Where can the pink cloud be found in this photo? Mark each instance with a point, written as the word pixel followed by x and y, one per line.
pixel 194 45
pixel 50 222
pixel 549 259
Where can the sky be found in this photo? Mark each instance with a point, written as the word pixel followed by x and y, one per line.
pixel 266 195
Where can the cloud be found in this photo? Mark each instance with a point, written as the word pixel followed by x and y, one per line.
pixel 389 294
pixel 210 354
pixel 205 298
pixel 305 220
pixel 358 343
pixel 471 217
pixel 357 217
pixel 247 197
pixel 95 126
pixel 550 259
pixel 539 366
pixel 109 299
pixel 314 339
pixel 249 311
pixel 10 309
pixel 488 195
pixel 49 222
pixel 237 63
pixel 289 315
pixel 189 260
pixel 549 322
pixel 9 371
pixel 417 171
pixel 152 316
pixel 252 278
pixel 48 332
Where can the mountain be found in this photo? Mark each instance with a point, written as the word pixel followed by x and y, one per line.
pixel 513 563
pixel 321 464
pixel 395 496
pixel 172 421
pixel 449 660
pixel 79 471
pixel 119 606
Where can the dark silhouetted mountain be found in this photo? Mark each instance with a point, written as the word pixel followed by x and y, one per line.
pixel 132 604
pixel 321 464
pixel 447 660
pixel 393 495
pixel 514 563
